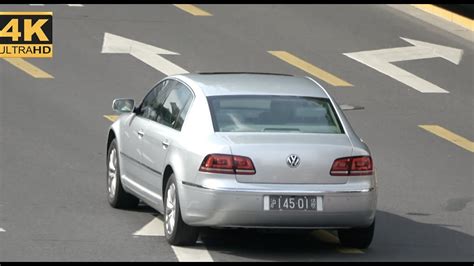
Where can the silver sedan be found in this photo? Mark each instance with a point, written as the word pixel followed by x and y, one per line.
pixel 250 150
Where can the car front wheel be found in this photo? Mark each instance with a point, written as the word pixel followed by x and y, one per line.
pixel 117 196
pixel 177 232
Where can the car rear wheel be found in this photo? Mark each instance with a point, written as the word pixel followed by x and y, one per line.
pixel 177 232
pixel 357 237
pixel 116 195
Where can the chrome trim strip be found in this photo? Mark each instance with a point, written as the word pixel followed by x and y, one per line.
pixel 278 191
pixel 222 170
pixel 193 185
pixel 142 164
pixel 142 188
pixel 283 227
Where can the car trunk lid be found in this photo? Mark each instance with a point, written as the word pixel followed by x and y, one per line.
pixel 270 152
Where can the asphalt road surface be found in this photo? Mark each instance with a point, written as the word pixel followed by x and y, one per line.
pixel 53 204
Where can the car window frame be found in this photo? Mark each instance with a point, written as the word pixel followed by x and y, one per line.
pixel 187 105
pixel 151 91
pixel 139 108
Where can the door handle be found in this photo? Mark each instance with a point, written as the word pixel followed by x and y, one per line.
pixel 140 133
pixel 165 143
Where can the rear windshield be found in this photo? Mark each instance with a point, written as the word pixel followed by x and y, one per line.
pixel 268 113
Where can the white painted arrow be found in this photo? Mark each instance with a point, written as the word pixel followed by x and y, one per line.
pixel 196 253
pixel 149 54
pixel 381 60
pixel 153 228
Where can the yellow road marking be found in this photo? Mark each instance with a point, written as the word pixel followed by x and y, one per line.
pixel 193 10
pixel 350 250
pixel 112 118
pixel 311 69
pixel 28 68
pixel 449 136
pixel 327 237
pixel 447 15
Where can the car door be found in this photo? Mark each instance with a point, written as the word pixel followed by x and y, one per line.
pixel 161 134
pixel 133 131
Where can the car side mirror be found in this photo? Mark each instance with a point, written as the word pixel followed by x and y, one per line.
pixel 123 105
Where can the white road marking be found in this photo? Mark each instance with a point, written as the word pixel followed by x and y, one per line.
pixel 381 60
pixel 36 4
pixel 2 230
pixel 153 228
pixel 196 253
pixel 157 62
pixel 148 54
pixel 345 107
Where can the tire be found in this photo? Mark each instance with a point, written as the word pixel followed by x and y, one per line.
pixel 357 237
pixel 116 195
pixel 177 232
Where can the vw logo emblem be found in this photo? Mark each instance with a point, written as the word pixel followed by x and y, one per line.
pixel 293 161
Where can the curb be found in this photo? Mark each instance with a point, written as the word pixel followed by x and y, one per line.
pixel 447 15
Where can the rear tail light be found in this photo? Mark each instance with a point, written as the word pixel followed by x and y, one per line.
pixel 227 164
pixel 350 166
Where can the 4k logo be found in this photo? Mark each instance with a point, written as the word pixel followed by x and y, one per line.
pixel 26 34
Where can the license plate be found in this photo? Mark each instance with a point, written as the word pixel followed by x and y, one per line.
pixel 292 203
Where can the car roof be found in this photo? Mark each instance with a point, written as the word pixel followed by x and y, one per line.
pixel 244 83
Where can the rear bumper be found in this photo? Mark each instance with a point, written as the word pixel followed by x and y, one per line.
pixel 243 207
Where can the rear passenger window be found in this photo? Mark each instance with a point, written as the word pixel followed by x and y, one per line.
pixel 174 109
